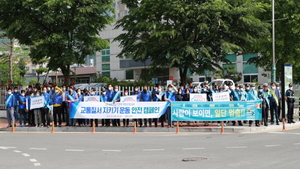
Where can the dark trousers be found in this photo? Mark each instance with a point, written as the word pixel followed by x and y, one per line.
pixel 57 113
pixel 65 114
pixel 290 112
pixel 125 122
pixel 265 113
pixel 96 122
pixel 116 122
pixel 31 118
pixel 256 122
pixel 150 122
pixel 274 111
pixel 155 122
pixel 45 116
pixel 162 120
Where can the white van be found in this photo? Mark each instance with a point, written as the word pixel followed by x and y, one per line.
pixel 221 82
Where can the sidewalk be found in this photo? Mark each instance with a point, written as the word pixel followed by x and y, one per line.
pixel 212 128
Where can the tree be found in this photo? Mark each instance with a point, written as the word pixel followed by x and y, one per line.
pixel 287 32
pixel 229 72
pixel 63 31
pixel 189 34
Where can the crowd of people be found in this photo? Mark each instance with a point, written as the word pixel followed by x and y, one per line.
pixel 57 103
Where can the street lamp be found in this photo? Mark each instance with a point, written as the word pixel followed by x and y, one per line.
pixel 273 72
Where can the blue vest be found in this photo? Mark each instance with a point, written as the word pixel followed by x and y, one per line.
pixel 22 99
pixel 146 97
pixel 57 99
pixel 173 98
pixel 47 99
pixel 11 101
pixel 110 95
pixel 103 98
pixel 16 94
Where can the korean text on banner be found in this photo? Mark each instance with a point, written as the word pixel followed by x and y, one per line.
pixel 129 98
pixel 91 98
pixel 198 97
pixel 216 111
pixel 118 110
pixel 223 96
pixel 37 102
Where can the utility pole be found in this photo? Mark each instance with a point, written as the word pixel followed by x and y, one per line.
pixel 11 53
pixel 273 73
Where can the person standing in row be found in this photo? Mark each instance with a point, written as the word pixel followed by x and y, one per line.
pixel 80 99
pixel 64 106
pixel 22 108
pixel 104 98
pixel 16 104
pixel 274 103
pixel 116 98
pixel 57 110
pixel 45 109
pixel 170 97
pixel 37 111
pixel 290 99
pixel 71 97
pixel 93 93
pixel 146 97
pixel 126 121
pixel 266 103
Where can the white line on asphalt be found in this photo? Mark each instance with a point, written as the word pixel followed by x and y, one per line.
pixel 5 148
pixel 38 148
pixel 33 160
pixel 200 148
pixel 272 145
pixel 37 164
pixel 25 154
pixel 73 150
pixel 17 151
pixel 238 147
pixel 277 132
pixel 153 149
pixel 112 150
pixel 296 144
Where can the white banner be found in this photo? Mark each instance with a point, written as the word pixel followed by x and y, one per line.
pixel 91 98
pixel 198 97
pixel 223 96
pixel 132 98
pixel 119 110
pixel 36 102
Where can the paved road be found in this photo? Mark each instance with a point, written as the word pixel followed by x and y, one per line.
pixel 149 151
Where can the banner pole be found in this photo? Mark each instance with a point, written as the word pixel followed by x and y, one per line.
pixel 222 127
pixel 93 127
pixel 13 126
pixel 177 127
pixel 134 127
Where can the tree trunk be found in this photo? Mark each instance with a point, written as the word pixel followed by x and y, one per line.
pixel 46 77
pixel 11 52
pixel 66 73
pixel 38 78
pixel 183 75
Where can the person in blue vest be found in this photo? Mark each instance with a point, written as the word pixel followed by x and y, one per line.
pixel 274 103
pixel 64 106
pixel 110 95
pixel 93 93
pixel 116 94
pixel 29 110
pixel 126 121
pixel 9 104
pixel 191 87
pixel 182 89
pixel 80 99
pixel 266 105
pixel 290 100
pixel 51 92
pixel 146 97
pixel 170 96
pixel 37 111
pixel 45 109
pixel 57 110
pixel 104 98
pixel 16 107
pixel 22 108
pixel 71 97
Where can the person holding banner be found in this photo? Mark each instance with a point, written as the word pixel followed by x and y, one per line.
pixel 93 93
pixel 206 91
pixel 266 103
pixel 170 96
pixel 37 111
pixel 22 108
pixel 146 97
pixel 104 98
pixel 71 97
pixel 45 109
pixel 116 98
pixel 80 99
pixel 125 121
pixel 64 105
pixel 274 103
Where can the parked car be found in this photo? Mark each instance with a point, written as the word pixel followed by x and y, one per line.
pixel 198 84
pixel 221 82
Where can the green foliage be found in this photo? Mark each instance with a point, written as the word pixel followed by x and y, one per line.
pixel 287 31
pixel 63 31
pixel 229 73
pixel 189 34
pixel 32 82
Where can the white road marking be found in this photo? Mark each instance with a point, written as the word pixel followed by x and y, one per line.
pixel 272 145
pixel 37 164
pixel 17 151
pixel 25 154
pixel 73 150
pixel 200 148
pixel 277 132
pixel 38 148
pixel 112 150
pixel 33 160
pixel 153 149
pixel 296 144
pixel 237 147
pixel 5 148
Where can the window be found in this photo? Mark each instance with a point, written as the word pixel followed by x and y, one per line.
pixel 129 74
pixel 248 56
pixel 231 57
pixel 201 79
pixel 105 66
pixel 230 66
pixel 249 68
pixel 105 58
pixel 107 74
pixel 250 78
